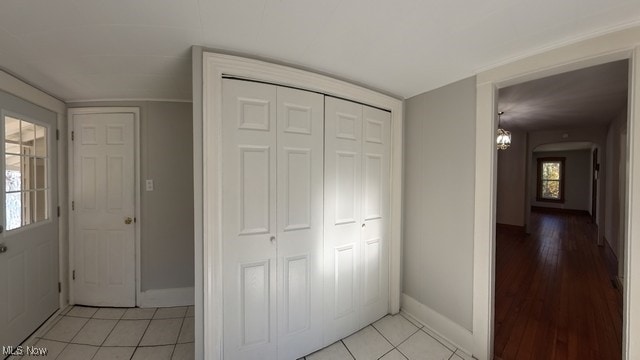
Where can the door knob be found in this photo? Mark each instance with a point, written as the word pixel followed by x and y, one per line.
pixel 3 248
pixel 128 220
pixel 272 239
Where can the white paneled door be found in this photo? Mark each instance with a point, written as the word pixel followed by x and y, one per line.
pixel 356 216
pixel 103 198
pixel 272 221
pixel 299 236
pixel 29 227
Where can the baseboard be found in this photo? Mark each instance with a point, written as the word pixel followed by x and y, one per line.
pixel 560 210
pixel 438 323
pixel 166 297
pixel 513 228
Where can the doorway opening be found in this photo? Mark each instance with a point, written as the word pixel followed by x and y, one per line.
pixel 558 215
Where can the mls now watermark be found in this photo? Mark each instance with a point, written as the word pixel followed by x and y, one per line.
pixel 24 351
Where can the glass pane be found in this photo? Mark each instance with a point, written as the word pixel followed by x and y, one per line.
pixel 28 133
pixel 551 189
pixel 11 148
pixel 11 129
pixel 551 171
pixel 42 210
pixel 27 208
pixel 12 173
pixel 40 173
pixel 14 210
pixel 41 141
pixel 27 170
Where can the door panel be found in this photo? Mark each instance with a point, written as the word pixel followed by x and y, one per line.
pixel 29 266
pixel 300 129
pixel 249 222
pixel 375 208
pixel 342 212
pixel 104 197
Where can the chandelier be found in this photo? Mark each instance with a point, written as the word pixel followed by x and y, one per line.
pixel 503 140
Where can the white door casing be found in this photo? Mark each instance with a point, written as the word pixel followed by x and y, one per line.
pixel 103 206
pixel 29 264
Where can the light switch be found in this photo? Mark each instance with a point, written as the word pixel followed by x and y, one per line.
pixel 149 184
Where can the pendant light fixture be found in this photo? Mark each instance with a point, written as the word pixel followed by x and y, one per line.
pixel 503 140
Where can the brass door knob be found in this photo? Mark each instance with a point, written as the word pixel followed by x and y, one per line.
pixel 128 220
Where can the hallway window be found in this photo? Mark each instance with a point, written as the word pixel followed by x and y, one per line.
pixel 550 179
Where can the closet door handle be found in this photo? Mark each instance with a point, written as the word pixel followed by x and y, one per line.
pixel 272 239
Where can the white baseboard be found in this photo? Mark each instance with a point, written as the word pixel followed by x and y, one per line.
pixel 166 297
pixel 438 324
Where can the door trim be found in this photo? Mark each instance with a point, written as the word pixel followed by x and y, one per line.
pixel 613 46
pixel 207 135
pixel 136 159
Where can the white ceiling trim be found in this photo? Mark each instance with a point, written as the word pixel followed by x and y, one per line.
pixel 560 44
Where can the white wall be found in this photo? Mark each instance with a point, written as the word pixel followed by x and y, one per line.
pixel 615 171
pixel 166 244
pixel 577 184
pixel 438 202
pixel 512 169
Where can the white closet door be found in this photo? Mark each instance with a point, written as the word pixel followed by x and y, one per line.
pixel 376 134
pixel 343 220
pixel 299 218
pixel 248 218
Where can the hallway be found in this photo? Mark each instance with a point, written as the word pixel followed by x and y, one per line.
pixel 554 296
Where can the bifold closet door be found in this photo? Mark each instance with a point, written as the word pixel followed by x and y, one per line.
pixel 272 221
pixel 300 211
pixel 248 219
pixel 357 150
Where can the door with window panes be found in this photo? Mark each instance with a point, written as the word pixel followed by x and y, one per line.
pixel 29 237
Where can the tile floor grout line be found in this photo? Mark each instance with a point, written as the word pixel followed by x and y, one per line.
pixel 346 347
pixel 381 334
pixel 405 340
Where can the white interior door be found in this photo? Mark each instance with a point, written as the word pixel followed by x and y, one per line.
pixel 300 119
pixel 249 219
pixel 343 218
pixel 376 133
pixel 104 208
pixel 29 226
pixel 357 193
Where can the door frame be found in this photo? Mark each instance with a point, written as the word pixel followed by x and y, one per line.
pixel 612 46
pixel 136 183
pixel 207 175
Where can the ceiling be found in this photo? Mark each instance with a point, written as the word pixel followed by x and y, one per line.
pixel 140 49
pixel 588 97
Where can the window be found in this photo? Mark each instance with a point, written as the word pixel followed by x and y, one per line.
pixel 551 179
pixel 26 172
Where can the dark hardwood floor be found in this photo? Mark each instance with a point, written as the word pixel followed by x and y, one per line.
pixel 554 295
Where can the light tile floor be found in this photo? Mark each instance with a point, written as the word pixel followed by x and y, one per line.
pixel 394 337
pixel 86 333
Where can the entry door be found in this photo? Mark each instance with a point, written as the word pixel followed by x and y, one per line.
pixel 29 236
pixel 103 208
